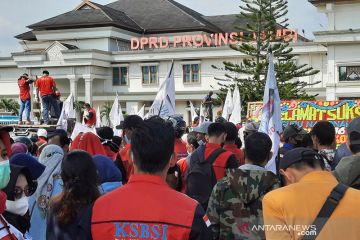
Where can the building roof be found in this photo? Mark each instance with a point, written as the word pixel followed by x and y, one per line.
pixel 88 17
pixel 316 2
pixel 156 16
pixel 227 23
pixel 30 36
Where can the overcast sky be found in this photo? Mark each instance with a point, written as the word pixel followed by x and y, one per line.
pixel 15 15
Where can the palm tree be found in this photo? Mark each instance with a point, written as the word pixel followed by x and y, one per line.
pixel 105 112
pixel 78 105
pixel 10 105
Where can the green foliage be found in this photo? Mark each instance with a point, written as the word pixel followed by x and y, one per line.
pixel 262 18
pixel 10 105
pixel 105 112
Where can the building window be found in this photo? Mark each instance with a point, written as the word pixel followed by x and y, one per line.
pixel 120 76
pixel 349 73
pixel 149 74
pixel 191 73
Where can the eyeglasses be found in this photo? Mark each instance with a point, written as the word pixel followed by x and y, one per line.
pixel 18 192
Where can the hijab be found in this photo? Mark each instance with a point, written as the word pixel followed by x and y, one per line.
pixel 107 170
pixel 88 142
pixel 25 160
pixel 51 157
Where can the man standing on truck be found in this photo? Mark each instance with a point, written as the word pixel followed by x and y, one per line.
pixel 46 86
pixel 25 102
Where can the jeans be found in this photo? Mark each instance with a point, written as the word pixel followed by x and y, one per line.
pixel 47 101
pixel 25 104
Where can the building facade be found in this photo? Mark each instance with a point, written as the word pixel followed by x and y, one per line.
pixel 127 47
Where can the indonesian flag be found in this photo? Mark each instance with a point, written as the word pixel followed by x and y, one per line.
pixel 206 220
pixel 271 114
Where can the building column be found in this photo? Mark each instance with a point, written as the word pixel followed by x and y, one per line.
pixel 74 86
pixel 88 88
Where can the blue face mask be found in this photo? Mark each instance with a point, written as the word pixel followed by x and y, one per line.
pixel 4 173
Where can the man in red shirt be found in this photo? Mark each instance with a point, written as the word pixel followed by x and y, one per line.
pixel 230 142
pixel 25 102
pixel 89 115
pixel 123 159
pixel 146 207
pixel 46 86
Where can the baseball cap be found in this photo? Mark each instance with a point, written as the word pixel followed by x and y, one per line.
pixel 354 126
pixel 202 128
pixel 293 130
pixel 252 127
pixel 296 155
pixel 42 133
pixel 130 122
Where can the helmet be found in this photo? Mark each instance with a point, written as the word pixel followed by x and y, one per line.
pixel 178 124
pixel 25 141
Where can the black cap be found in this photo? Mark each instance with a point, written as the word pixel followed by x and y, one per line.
pixel 296 155
pixel 57 132
pixel 105 132
pixel 130 122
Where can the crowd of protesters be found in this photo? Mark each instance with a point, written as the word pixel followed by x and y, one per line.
pixel 163 180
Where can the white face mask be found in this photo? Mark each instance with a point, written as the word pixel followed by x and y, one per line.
pixel 19 207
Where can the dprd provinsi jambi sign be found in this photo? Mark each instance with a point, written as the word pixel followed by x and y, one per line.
pixel 307 113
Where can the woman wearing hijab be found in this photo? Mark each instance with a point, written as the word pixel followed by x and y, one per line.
pixel 49 185
pixel 88 142
pixel 70 212
pixel 18 148
pixel 7 231
pixel 20 187
pixel 109 175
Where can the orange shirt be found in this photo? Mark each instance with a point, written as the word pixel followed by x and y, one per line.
pixel 182 163
pixel 239 153
pixel 180 149
pixel 24 89
pixel 46 85
pixel 125 158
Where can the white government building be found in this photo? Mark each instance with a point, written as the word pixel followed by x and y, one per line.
pixel 127 47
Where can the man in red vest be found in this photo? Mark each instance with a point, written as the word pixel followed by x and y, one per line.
pixel 146 207
pixel 25 102
pixel 89 115
pixel 46 86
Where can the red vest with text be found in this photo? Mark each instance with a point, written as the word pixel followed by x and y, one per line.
pixel 91 121
pixel 145 208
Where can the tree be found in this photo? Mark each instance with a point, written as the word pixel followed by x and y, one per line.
pixel 262 19
pixel 105 112
pixel 10 105
pixel 78 106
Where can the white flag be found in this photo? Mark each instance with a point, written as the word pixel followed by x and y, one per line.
pixel 164 103
pixel 98 117
pixel 141 112
pixel 235 117
pixel 271 114
pixel 114 112
pixel 67 112
pixel 121 116
pixel 228 105
pixel 192 111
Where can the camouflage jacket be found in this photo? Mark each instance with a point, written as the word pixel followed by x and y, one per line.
pixel 235 207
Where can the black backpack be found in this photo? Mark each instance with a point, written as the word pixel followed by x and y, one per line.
pixel 200 176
